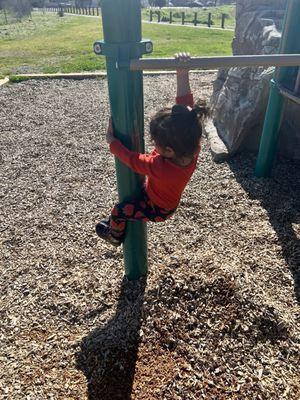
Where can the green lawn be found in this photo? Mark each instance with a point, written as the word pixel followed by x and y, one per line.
pixel 202 15
pixel 48 43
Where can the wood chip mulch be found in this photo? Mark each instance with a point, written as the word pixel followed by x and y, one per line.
pixel 217 318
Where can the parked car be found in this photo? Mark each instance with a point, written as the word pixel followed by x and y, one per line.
pixel 195 4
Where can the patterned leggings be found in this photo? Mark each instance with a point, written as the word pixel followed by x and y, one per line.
pixel 140 209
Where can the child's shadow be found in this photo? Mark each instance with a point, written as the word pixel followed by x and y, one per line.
pixel 108 354
pixel 280 197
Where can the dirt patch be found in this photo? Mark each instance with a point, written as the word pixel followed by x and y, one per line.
pixel 218 317
pixel 156 369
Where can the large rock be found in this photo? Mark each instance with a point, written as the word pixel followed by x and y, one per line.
pixel 240 95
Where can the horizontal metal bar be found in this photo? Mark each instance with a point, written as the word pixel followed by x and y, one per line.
pixel 289 94
pixel 276 60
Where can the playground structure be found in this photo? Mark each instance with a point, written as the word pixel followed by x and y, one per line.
pixel 123 47
pixel 219 317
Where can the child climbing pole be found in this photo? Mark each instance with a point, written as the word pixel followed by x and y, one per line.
pixel 176 134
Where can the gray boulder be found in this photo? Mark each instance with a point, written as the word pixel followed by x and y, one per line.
pixel 240 95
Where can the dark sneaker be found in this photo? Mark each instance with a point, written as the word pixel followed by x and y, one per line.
pixel 105 222
pixel 103 231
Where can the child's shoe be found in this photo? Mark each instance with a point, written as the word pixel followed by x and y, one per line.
pixel 103 231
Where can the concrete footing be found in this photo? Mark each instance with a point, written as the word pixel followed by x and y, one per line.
pixel 4 81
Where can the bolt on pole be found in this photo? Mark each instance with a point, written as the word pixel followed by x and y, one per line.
pixel 122 36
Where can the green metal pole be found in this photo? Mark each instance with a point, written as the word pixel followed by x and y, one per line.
pixel 122 27
pixel 223 21
pixel 269 139
pixel 209 20
pixel 289 45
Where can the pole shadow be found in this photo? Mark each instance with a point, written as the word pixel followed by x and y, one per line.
pixel 108 355
pixel 280 197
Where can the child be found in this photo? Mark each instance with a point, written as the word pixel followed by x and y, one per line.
pixel 176 134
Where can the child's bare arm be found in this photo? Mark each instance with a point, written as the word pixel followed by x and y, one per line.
pixel 183 82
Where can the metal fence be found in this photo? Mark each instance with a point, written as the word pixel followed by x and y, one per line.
pixel 154 16
pixel 94 11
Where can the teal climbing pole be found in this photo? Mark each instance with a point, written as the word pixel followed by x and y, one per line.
pixel 122 42
pixel 283 77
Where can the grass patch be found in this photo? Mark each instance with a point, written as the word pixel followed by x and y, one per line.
pixel 30 26
pixel 168 40
pixel 18 79
pixel 49 44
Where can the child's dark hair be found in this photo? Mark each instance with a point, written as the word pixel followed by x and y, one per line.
pixel 179 128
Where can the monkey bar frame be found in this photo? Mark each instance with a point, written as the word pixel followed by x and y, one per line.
pixel 123 48
pixel 276 60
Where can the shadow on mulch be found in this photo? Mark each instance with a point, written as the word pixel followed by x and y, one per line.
pixel 279 195
pixel 108 354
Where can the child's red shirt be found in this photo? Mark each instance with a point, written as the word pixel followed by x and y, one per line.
pixel 165 180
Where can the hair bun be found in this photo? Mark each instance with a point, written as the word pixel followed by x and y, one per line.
pixel 203 110
pixel 200 111
pixel 183 113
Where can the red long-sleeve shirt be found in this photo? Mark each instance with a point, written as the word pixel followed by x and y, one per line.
pixel 165 180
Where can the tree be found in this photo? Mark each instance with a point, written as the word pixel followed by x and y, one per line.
pixel 19 8
pixel 3 7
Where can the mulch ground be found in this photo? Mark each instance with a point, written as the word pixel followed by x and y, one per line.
pixel 217 318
